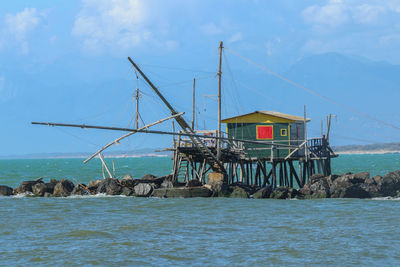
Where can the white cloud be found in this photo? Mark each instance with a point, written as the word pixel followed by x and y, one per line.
pixel 236 37
pixel 336 13
pixel 368 14
pixel 270 46
pixel 120 24
pixel 211 29
pixel 331 15
pixel 19 26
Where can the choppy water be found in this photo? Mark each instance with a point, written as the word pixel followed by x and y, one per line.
pixel 134 231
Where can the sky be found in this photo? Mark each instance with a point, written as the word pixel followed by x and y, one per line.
pixel 66 61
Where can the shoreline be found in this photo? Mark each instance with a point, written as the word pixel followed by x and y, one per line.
pixel 370 152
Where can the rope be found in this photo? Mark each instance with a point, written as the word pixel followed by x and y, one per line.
pixel 311 91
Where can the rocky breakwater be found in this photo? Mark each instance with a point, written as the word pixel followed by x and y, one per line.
pixel 349 185
pixel 147 186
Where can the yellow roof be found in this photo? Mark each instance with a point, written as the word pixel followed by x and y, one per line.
pixel 265 117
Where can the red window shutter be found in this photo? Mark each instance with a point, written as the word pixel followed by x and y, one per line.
pixel 265 132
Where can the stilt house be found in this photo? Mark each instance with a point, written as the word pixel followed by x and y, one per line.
pixel 271 126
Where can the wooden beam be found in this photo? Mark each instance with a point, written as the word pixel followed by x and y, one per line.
pixel 116 141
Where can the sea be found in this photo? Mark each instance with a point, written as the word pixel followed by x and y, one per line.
pixel 127 231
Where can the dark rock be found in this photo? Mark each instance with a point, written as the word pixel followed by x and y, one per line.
pixel 127 181
pixel 390 184
pixel 148 177
pixel 264 192
pixel 314 178
pixel 182 192
pixel 47 195
pixel 109 186
pixel 80 190
pixel 284 192
pixel 5 190
pixel 371 188
pixel 26 187
pixel 346 190
pixel 281 192
pixel 378 180
pixel 320 189
pixel 93 185
pixel 167 184
pixel 126 191
pixel 360 177
pixel 238 192
pixel 216 182
pixel 194 183
pixel 40 189
pixel 143 190
pixel 63 188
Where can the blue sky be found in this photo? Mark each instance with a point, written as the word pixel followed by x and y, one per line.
pixel 66 61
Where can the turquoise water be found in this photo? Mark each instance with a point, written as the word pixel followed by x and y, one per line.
pixel 101 230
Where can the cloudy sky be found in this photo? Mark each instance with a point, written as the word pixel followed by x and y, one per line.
pixel 58 59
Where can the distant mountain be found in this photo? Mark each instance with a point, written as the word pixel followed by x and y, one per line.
pixel 373 148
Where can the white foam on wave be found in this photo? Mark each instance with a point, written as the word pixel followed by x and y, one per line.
pixel 21 195
pixel 387 198
pixel 100 195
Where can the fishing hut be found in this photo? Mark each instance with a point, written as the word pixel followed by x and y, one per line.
pixel 259 148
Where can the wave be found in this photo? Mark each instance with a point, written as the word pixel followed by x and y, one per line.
pixel 387 198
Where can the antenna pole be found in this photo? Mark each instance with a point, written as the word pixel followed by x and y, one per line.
pixel 328 121
pixel 194 102
pixel 305 134
pixel 137 108
pixel 219 100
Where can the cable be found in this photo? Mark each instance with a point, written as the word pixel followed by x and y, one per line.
pixel 311 91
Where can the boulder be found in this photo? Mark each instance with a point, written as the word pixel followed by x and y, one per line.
pixel 127 181
pixel 5 190
pixel 127 191
pixel 281 192
pixel 80 190
pixel 343 190
pixel 148 177
pixel 26 187
pixel 264 192
pixel 167 184
pixel 182 192
pixel 93 185
pixel 143 190
pixel 40 189
pixel 315 178
pixel 284 192
pixel 63 188
pixel 238 192
pixel 320 189
pixel 216 181
pixel 390 184
pixel 372 189
pixel 109 186
pixel 194 183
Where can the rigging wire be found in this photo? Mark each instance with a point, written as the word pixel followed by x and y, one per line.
pixel 262 67
pixel 176 68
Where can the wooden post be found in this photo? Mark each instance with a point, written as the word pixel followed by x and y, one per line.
pixel 273 182
pixel 286 174
pixel 219 101
pixel 194 103
pixel 105 165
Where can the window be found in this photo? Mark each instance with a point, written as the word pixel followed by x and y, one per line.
pixel 283 132
pixel 265 132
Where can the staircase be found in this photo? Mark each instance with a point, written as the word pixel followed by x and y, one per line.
pixel 208 155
